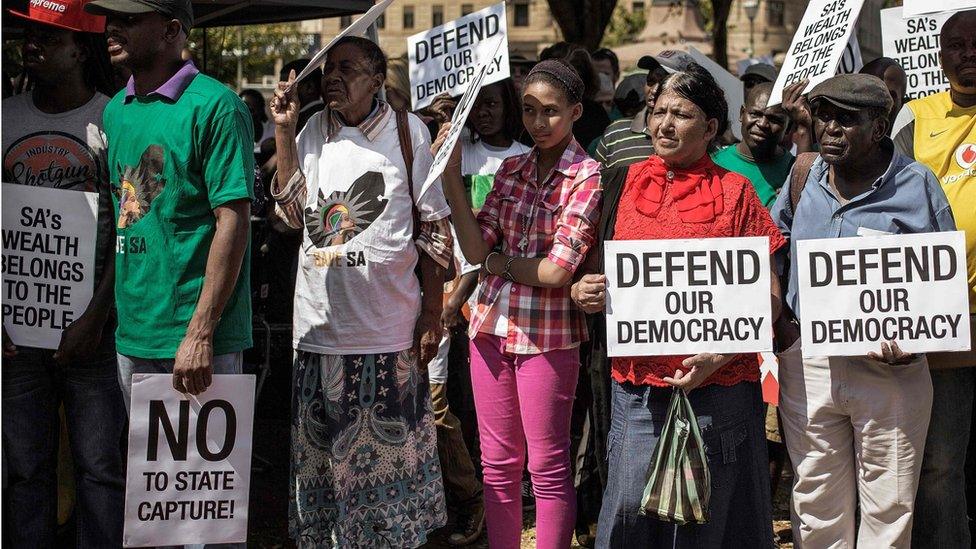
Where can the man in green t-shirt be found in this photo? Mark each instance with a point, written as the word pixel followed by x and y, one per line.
pixel 181 169
pixel 760 156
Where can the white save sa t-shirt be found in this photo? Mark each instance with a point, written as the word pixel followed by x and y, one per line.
pixel 356 292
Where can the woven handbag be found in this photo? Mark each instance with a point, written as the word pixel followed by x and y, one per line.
pixel 678 485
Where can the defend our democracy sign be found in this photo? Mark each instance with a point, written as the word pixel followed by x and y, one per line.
pixel 189 463
pixel 443 59
pixel 460 116
pixel 48 261
pixel 857 292
pixel 914 43
pixel 818 45
pixel 683 297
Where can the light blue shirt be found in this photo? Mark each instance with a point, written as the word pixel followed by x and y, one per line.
pixel 907 198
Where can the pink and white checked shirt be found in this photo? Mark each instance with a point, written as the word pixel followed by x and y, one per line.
pixel 557 220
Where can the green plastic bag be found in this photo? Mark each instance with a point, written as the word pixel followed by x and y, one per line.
pixel 678 485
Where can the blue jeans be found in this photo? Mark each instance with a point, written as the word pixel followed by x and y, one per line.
pixel 731 422
pixel 33 388
pixel 230 363
pixel 940 503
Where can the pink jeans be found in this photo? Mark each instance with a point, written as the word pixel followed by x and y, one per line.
pixel 525 400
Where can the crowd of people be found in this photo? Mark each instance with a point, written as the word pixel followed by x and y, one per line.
pixel 410 304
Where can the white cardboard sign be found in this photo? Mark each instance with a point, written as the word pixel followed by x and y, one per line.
pixel 189 463
pixel 919 7
pixel 914 43
pixel 48 261
pixel 443 59
pixel 858 292
pixel 687 296
pixel 734 94
pixel 357 27
pixel 460 116
pixel 851 60
pixel 818 45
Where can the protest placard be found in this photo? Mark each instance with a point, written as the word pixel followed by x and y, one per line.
pixel 189 463
pixel 914 43
pixel 683 297
pixel 357 27
pixel 858 292
pixel 443 59
pixel 919 7
pixel 460 116
pixel 851 61
pixel 48 261
pixel 817 46
pixel 734 95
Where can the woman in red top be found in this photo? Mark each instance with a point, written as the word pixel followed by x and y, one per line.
pixel 680 193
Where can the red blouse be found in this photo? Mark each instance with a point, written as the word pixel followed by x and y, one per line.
pixel 740 213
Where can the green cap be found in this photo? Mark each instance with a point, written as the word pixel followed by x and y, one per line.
pixel 181 10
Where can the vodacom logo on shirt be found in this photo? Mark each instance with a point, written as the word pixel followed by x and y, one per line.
pixel 966 155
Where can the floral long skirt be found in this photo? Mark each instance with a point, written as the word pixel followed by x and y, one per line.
pixel 364 469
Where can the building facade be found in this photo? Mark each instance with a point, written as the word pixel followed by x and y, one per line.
pixel 530 25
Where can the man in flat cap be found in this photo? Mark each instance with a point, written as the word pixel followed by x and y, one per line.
pixel 182 169
pixel 855 426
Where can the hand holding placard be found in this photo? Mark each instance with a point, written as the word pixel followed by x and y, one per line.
pixel 446 148
pixel 357 27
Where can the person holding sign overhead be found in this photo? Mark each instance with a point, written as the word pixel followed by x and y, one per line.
pixel 364 466
pixel 855 427
pixel 940 132
pixel 680 193
pixel 535 227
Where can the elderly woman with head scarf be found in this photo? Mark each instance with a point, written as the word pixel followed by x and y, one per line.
pixel 678 192
pixel 365 471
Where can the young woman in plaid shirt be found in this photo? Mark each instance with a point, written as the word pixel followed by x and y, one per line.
pixel 536 226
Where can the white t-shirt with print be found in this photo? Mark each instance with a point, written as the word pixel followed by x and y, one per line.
pixel 356 292
pixel 479 158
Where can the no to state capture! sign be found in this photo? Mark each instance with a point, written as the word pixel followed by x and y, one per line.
pixel 189 463
pixel 684 297
pixel 856 293
pixel 48 261
pixel 444 59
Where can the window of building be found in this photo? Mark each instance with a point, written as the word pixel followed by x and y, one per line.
pixel 521 14
pixel 466 9
pixel 345 21
pixel 381 21
pixel 436 15
pixel 408 17
pixel 637 6
pixel 774 13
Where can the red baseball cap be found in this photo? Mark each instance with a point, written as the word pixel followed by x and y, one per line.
pixel 65 14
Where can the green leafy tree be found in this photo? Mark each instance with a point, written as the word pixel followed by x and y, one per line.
pixel 257 47
pixel 624 27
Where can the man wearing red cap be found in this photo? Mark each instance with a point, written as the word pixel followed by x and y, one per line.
pixel 52 137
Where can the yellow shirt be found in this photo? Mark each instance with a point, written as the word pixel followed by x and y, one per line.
pixel 942 136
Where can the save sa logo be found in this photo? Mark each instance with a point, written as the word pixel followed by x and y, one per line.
pixel 966 155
